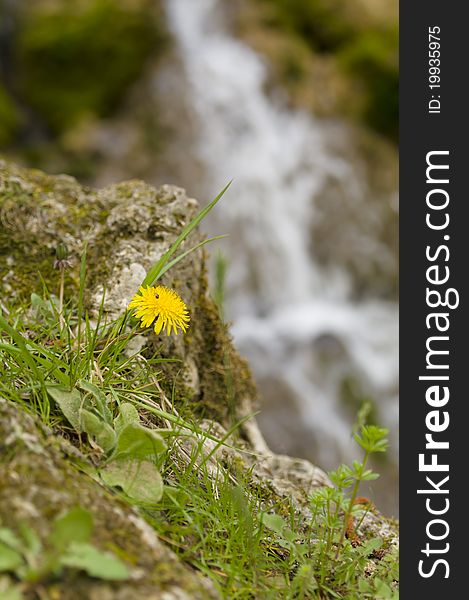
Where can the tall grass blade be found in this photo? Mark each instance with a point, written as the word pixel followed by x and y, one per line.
pixel 171 264
pixel 156 270
pixel 25 353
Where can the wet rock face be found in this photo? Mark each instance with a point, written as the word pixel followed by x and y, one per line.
pixel 356 227
pixel 38 483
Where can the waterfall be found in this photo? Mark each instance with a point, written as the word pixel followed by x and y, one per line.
pixel 294 320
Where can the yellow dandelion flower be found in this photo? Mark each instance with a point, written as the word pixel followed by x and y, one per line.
pixel 162 306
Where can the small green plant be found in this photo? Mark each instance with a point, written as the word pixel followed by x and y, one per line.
pixel 332 562
pixel 371 439
pixel 251 546
pixel 130 448
pixel 68 546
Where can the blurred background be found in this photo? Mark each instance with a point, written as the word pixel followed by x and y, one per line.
pixel 296 100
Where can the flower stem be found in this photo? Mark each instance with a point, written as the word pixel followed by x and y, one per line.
pixel 61 299
pixel 351 503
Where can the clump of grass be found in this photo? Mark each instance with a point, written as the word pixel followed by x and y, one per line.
pixel 257 548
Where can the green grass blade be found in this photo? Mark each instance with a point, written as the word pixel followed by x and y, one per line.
pixel 155 272
pixel 10 348
pixel 173 262
pixel 25 353
pixel 80 311
pixel 53 368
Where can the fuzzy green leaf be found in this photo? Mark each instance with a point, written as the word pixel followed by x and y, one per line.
pixel 31 542
pixel 364 586
pixel 10 592
pixel 137 441
pixel 101 401
pixel 96 563
pixel 139 479
pixel 74 526
pixel 10 539
pixel 9 558
pixel 99 429
pixel 69 403
pixel 274 522
pixel 128 414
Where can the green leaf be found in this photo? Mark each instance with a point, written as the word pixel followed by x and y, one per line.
pixel 101 401
pixel 369 475
pixel 10 539
pixel 25 353
pixel 305 579
pixel 74 526
pixel 364 586
pixel 99 429
pixel 173 262
pixel 380 446
pixel 127 414
pixel 372 438
pixel 382 589
pixel 274 522
pixel 137 441
pixel 139 479
pixel 370 546
pixel 95 562
pixel 9 558
pixel 31 540
pixel 37 300
pixel 50 363
pixel 9 591
pixel 69 403
pixel 155 272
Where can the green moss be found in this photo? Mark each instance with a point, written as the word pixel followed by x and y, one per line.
pixel 320 22
pixel 372 59
pixel 76 59
pixel 364 48
pixel 221 394
pixel 9 118
pixel 26 240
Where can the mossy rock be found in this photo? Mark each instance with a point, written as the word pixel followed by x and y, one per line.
pixel 9 118
pixel 371 60
pixel 334 57
pixel 38 483
pixel 127 226
pixel 76 59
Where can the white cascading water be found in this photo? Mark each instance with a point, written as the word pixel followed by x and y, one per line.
pixel 280 302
